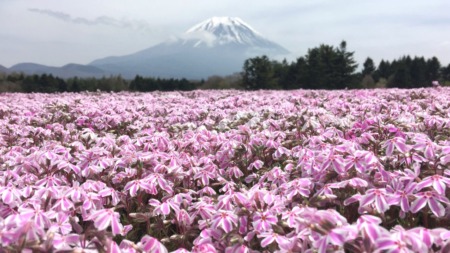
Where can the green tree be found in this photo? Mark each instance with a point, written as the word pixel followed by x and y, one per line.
pixel 346 66
pixel 369 67
pixel 258 73
pixel 383 71
pixel 401 77
pixel 330 68
pixel 418 71
pixel 433 67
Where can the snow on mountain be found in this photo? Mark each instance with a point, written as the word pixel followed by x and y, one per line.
pixel 219 31
pixel 226 30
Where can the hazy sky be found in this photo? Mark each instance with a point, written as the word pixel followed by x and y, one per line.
pixel 56 32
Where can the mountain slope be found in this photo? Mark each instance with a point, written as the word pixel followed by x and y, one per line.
pixel 66 71
pixel 217 46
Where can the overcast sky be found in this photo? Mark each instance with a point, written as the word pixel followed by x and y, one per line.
pixel 56 32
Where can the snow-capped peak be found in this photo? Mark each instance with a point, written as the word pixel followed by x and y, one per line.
pixel 225 30
pixel 216 22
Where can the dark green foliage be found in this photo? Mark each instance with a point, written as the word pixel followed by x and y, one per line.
pixel 140 83
pixel 407 72
pixel 369 67
pixel 49 84
pixel 323 67
pixel 259 73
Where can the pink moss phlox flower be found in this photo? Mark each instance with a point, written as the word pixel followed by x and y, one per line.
pixel 263 221
pixel 270 237
pixel 134 186
pixel 226 220
pixel 445 159
pixel 10 195
pixel 335 161
pixel 336 237
pixel 361 160
pixel 398 143
pixel 424 235
pixel 378 197
pixel 158 179
pixel 299 186
pixel 163 207
pixel 111 192
pixel 35 213
pixel 433 200
pixel 62 224
pixel 204 175
pixel 239 249
pixel 258 164
pixel 369 227
pixel 65 241
pixel 63 203
pixel 152 245
pixel 427 146
pixel 92 201
pixel 204 248
pixel 354 183
pixel 104 218
pixel 401 193
pixel 277 176
pixel 203 209
pixel 438 183
pixel 400 241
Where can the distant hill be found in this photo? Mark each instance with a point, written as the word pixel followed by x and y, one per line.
pixel 66 71
pixel 3 69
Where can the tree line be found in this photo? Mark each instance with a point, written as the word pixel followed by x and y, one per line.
pixel 328 67
pixel 323 67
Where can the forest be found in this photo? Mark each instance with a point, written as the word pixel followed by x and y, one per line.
pixel 323 67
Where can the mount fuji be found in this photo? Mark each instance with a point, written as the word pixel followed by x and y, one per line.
pixel 217 46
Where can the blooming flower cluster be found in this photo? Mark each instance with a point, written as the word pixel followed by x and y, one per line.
pixel 226 171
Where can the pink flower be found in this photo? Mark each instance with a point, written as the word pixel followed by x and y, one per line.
pixel 152 245
pixel 164 206
pixel 9 194
pixel 63 203
pixel 335 161
pixel 204 174
pixel 65 241
pixel 225 220
pixel 369 227
pixel 262 221
pixel 400 194
pixel 438 182
pixel 204 248
pixel 258 164
pixel 377 197
pixel 270 237
pixel 426 145
pixel 205 210
pixel 360 160
pixel 35 213
pixel 106 217
pixel 396 142
pixel 134 186
pixel 433 200
pixel 62 224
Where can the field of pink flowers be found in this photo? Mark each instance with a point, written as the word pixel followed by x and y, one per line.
pixel 226 171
